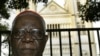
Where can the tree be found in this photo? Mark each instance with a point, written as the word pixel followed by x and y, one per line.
pixel 90 11
pixel 6 5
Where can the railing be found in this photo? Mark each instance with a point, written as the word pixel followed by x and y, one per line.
pixel 76 47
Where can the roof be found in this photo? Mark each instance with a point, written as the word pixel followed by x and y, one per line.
pixel 53 8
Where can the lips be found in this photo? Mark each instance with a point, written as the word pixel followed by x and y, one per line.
pixel 27 51
pixel 27 46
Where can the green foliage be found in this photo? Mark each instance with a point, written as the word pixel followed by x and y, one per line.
pixel 6 5
pixel 18 4
pixel 3 9
pixel 3 27
pixel 90 11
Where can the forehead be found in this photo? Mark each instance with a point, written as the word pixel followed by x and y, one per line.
pixel 28 21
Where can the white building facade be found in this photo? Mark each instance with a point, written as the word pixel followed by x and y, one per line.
pixel 65 16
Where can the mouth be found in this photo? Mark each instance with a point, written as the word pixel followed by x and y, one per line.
pixel 27 50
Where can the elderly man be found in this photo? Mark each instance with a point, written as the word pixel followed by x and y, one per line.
pixel 28 34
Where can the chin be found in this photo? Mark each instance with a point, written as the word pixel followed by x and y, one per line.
pixel 27 53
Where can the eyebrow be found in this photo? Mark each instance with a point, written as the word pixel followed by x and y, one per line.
pixel 36 29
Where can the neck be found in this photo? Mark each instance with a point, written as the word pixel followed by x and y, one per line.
pixel 15 55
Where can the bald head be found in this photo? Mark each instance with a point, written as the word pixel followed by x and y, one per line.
pixel 28 34
pixel 28 17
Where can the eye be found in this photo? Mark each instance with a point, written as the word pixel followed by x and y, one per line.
pixel 37 33
pixel 15 33
pixel 18 33
pixel 21 32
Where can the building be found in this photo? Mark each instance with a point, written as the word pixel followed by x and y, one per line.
pixel 62 17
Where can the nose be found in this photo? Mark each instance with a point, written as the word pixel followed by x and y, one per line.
pixel 27 38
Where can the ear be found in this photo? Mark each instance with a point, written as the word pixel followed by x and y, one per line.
pixel 9 39
pixel 46 37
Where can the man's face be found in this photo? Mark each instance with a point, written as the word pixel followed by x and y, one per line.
pixel 28 36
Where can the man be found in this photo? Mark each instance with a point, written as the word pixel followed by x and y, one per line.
pixel 28 34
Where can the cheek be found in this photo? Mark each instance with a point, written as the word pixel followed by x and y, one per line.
pixel 18 43
pixel 42 44
pixel 14 43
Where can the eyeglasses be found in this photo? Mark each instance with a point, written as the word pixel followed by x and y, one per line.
pixel 34 33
